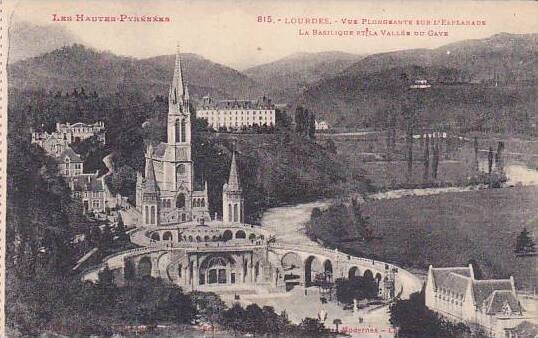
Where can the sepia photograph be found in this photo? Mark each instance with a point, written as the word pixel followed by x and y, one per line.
pixel 237 168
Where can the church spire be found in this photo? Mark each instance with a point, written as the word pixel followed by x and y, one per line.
pixel 151 182
pixel 233 181
pixel 178 90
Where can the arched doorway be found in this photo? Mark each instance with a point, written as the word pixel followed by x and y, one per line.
pixel 328 267
pixel 217 270
pixel 252 237
pixel 155 236
pixel 227 235
pixel 353 272
pixel 167 236
pixel 312 268
pixel 378 277
pixel 144 267
pixel 368 274
pixel 240 234
pixel 180 201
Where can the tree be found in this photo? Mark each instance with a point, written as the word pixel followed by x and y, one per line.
pixel 436 151
pixel 426 158
pixel 414 319
pixel 490 160
pixel 337 322
pixel 234 317
pixel 499 163
pixel 475 163
pixel 107 238
pixel 255 319
pixel 210 306
pixel 312 327
pixel 312 125
pixel 121 230
pixel 525 244
pixel 316 212
pixel 357 287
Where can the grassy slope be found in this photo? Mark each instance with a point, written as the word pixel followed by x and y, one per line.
pixel 450 229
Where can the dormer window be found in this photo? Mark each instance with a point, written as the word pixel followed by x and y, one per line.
pixel 507 310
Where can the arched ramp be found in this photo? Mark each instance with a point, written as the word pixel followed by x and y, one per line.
pixel 240 234
pixel 353 272
pixel 312 267
pixel 144 267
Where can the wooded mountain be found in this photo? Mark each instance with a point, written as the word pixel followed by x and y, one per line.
pixel 476 84
pixel 78 66
pixel 289 76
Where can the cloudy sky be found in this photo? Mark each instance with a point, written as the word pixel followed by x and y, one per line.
pixel 228 32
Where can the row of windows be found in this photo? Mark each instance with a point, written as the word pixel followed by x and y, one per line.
pixel 180 202
pixel 235 112
pixel 237 124
pixel 237 119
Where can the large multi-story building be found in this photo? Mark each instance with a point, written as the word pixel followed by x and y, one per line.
pixel 237 114
pixel 491 306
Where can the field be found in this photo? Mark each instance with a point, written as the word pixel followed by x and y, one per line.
pixel 450 229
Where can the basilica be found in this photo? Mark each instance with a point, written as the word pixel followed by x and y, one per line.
pixel 166 194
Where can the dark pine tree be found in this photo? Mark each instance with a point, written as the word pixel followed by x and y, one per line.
pixel 426 158
pixel 490 160
pixel 525 244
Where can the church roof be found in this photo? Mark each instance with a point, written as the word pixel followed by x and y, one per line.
pixel 88 183
pixel 151 182
pixel 70 153
pixel 452 278
pixel 233 180
pixel 482 289
pixel 454 282
pixel 497 300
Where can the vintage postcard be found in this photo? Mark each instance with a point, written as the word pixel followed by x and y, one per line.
pixel 181 168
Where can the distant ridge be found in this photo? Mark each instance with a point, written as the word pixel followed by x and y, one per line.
pixel 74 66
pixel 287 77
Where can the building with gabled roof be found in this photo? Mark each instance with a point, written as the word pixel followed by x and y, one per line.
pixel 491 305
pixel 70 164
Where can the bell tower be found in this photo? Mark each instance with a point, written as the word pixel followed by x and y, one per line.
pixel 179 113
pixel 180 166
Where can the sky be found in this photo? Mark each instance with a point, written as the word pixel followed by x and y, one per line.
pixel 229 32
